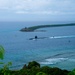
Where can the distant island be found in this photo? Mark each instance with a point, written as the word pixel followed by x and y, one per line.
pixel 33 28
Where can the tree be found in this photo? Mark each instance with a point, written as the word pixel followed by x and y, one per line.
pixel 5 69
pixel 41 73
pixel 56 71
pixel 72 72
pixel 46 69
pixel 2 52
pixel 33 64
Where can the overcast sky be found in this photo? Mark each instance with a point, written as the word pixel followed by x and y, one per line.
pixel 37 10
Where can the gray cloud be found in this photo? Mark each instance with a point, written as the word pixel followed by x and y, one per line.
pixel 38 5
pixel 49 9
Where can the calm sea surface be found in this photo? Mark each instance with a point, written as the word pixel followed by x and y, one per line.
pixel 56 50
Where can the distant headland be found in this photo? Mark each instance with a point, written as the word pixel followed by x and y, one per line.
pixel 33 28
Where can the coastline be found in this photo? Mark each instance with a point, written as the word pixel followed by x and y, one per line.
pixel 33 28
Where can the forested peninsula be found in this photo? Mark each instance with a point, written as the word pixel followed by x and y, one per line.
pixel 33 28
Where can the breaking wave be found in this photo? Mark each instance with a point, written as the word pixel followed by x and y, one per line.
pixel 58 58
pixel 53 61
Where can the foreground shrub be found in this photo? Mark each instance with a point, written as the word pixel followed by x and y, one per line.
pixel 65 72
pixel 55 71
pixel 5 69
pixel 33 63
pixel 72 72
pixel 2 52
pixel 46 69
pixel 41 73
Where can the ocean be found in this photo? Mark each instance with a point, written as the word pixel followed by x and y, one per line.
pixel 56 50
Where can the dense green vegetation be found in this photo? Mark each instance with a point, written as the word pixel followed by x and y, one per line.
pixel 33 28
pixel 33 68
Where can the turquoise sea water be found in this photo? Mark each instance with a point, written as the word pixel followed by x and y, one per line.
pixel 56 50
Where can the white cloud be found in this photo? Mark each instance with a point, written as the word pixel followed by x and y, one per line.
pixel 21 12
pixel 38 6
pixel 32 4
pixel 24 4
pixel 3 4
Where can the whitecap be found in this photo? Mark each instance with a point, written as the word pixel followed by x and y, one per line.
pixel 58 37
pixel 53 61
